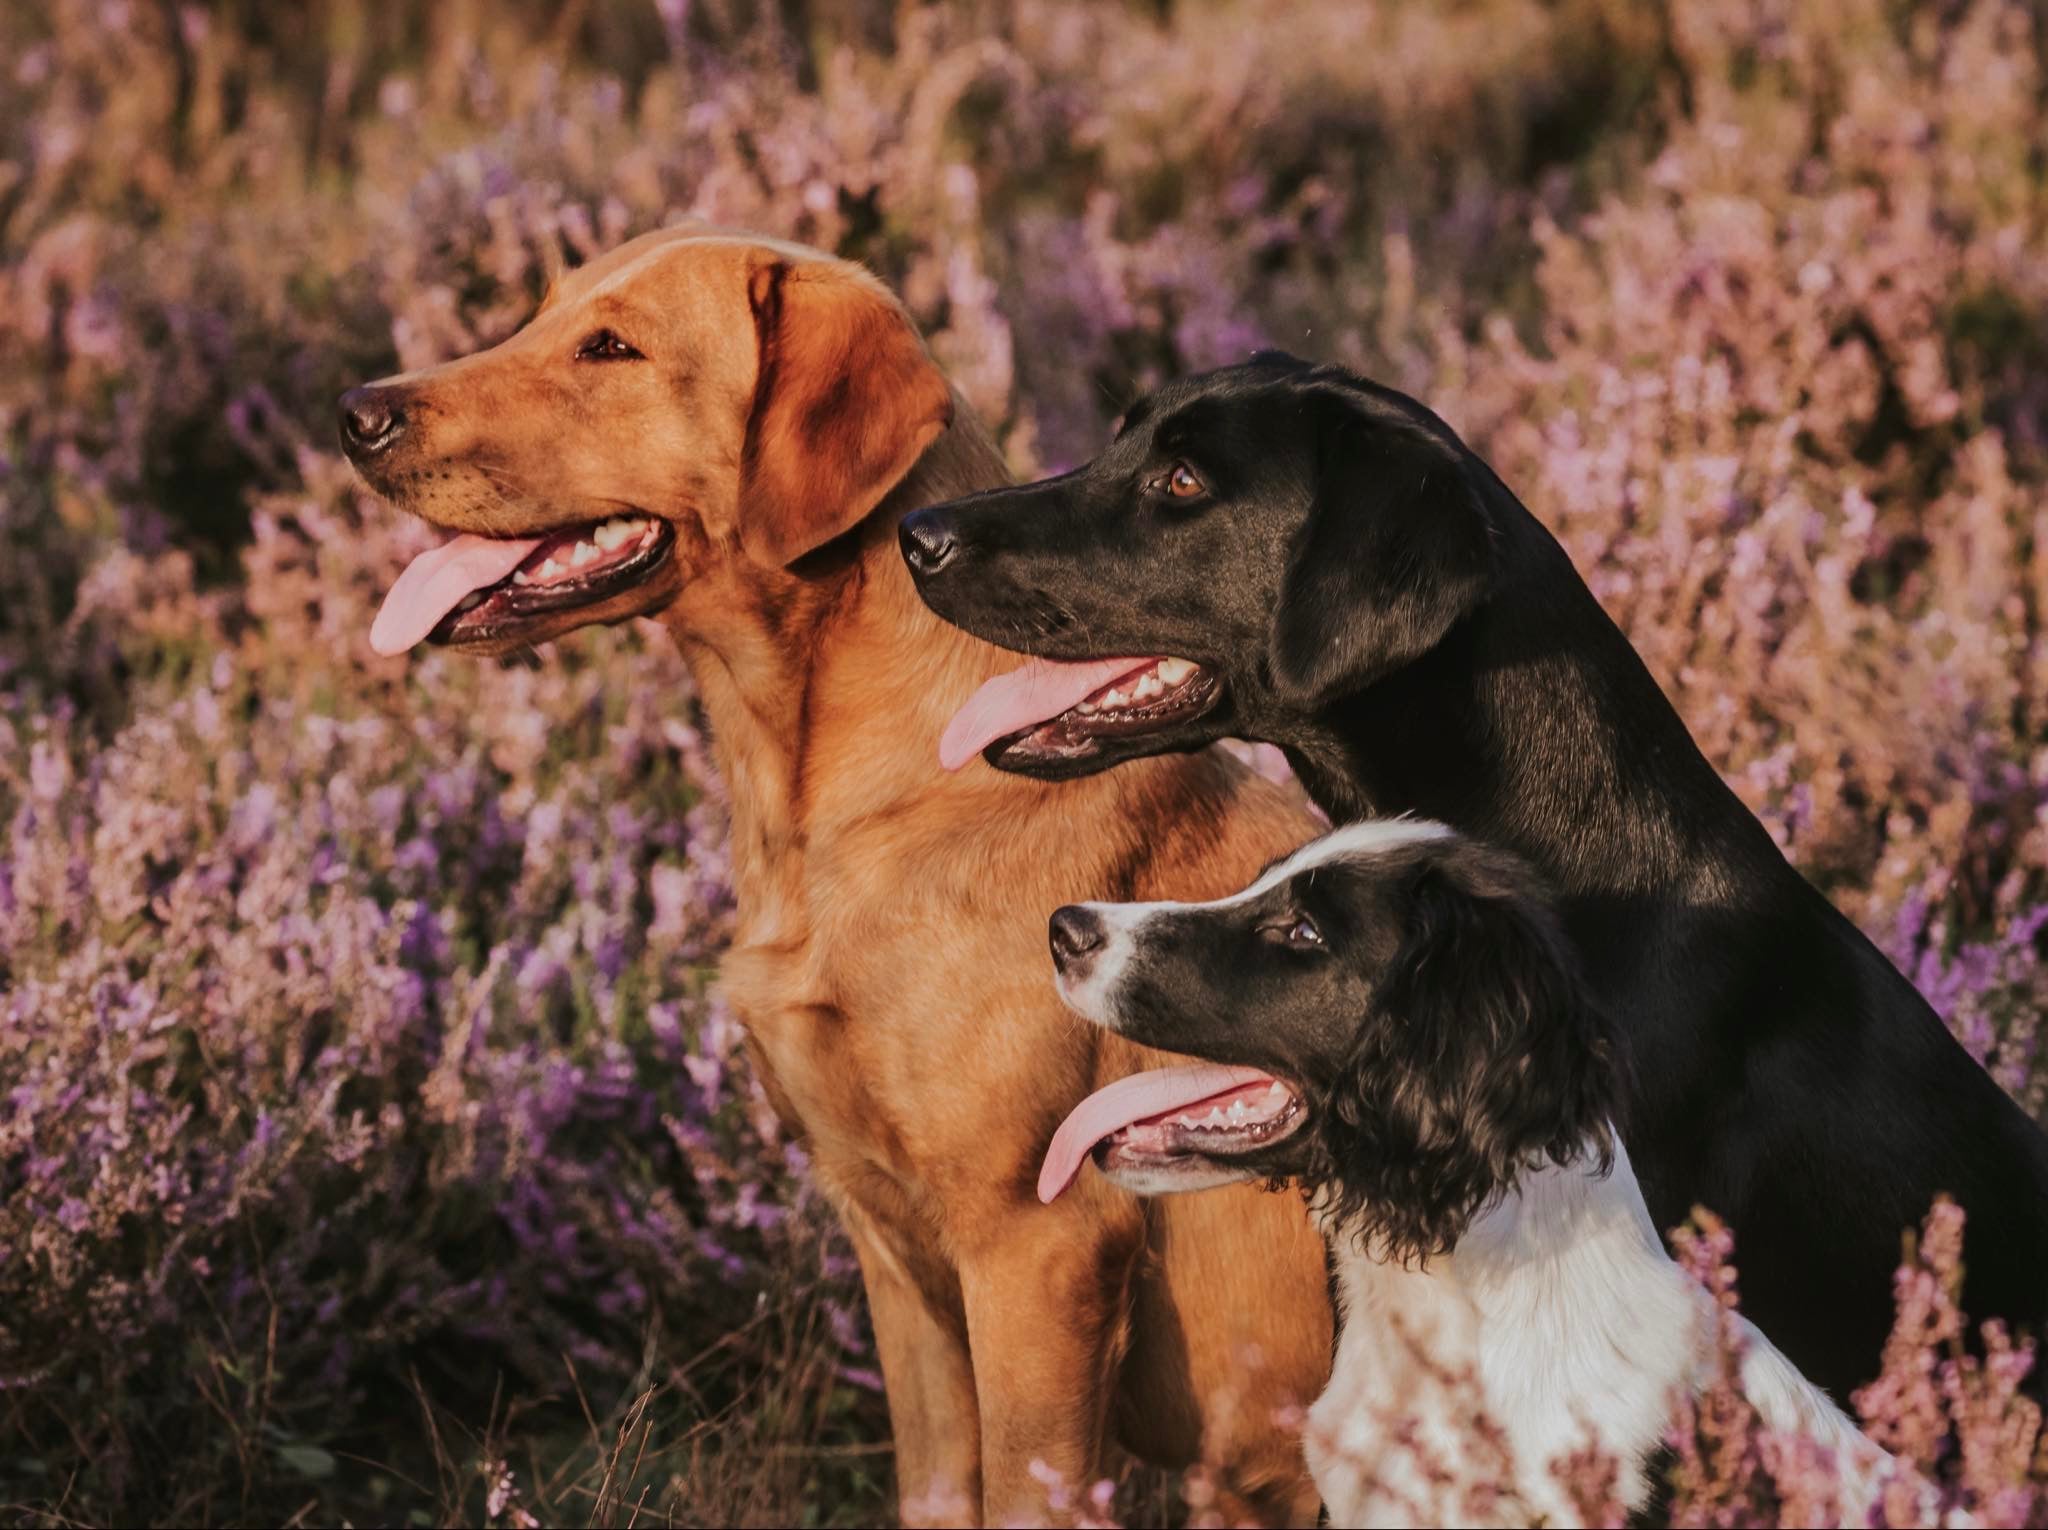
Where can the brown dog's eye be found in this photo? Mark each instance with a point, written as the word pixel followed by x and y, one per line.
pixel 1181 481
pixel 605 346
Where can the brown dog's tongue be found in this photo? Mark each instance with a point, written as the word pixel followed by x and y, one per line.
pixel 1035 693
pixel 434 583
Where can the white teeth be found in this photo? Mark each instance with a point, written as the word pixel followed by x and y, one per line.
pixel 1237 1110
pixel 520 576
pixel 551 570
pixel 583 554
pixel 1215 1116
pixel 620 530
pixel 1277 1094
pixel 1148 686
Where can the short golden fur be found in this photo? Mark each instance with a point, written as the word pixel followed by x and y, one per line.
pixel 890 961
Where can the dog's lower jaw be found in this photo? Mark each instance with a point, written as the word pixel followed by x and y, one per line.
pixel 1179 1173
pixel 515 615
pixel 1046 753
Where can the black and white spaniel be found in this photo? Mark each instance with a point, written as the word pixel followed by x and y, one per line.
pixel 1393 1017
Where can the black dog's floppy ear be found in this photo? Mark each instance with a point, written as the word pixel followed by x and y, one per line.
pixel 1484 1054
pixel 1278 361
pixel 1397 547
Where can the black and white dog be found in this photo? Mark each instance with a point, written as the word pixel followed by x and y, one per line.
pixel 1397 1020
pixel 1334 572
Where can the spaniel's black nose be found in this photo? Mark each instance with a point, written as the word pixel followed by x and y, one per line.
pixel 1075 933
pixel 371 420
pixel 928 541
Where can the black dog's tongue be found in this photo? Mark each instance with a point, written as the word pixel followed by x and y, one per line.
pixel 1037 692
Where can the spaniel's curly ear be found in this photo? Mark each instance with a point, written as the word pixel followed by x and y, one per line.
pixel 1484 1054
pixel 845 402
pixel 1397 547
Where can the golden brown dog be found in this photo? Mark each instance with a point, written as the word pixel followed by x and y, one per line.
pixel 721 432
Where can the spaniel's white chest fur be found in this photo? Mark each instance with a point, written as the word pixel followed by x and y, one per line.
pixel 1559 1321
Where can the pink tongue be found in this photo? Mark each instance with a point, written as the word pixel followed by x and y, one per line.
pixel 1137 1098
pixel 1040 690
pixel 434 583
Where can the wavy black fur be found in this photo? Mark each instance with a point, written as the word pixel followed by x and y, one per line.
pixel 1483 1053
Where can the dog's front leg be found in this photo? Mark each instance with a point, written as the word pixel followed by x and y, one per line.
pixel 1047 1319
pixel 921 1338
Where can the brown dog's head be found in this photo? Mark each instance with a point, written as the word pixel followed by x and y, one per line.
pixel 692 401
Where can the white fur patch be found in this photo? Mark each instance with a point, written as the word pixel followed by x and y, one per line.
pixel 1094 996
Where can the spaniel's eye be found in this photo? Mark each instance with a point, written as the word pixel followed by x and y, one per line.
pixel 606 346
pixel 1303 932
pixel 1300 933
pixel 1182 482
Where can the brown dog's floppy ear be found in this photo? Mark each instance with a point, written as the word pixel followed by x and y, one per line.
pixel 845 402
pixel 1397 547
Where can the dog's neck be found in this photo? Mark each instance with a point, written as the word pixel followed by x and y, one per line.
pixel 1560 1317
pixel 1536 725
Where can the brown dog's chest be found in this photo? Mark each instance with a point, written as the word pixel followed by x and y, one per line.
pixel 910 1033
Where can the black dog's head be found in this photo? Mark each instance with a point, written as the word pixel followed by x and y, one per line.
pixel 1411 994
pixel 1288 534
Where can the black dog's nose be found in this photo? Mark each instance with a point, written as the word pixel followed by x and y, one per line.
pixel 928 540
pixel 1075 932
pixel 371 420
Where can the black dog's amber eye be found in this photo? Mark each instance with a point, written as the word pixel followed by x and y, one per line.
pixel 1182 482
pixel 605 346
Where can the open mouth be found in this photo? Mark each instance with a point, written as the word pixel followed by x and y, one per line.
pixel 489 589
pixel 1173 1129
pixel 1058 711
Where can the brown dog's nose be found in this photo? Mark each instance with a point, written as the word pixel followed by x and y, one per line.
pixel 371 420
pixel 1075 932
pixel 927 540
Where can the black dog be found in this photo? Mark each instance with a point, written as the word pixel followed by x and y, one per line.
pixel 1338 574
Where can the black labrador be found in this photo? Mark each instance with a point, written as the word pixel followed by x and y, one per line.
pixel 1286 552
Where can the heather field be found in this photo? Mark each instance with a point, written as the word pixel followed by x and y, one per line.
pixel 375 1145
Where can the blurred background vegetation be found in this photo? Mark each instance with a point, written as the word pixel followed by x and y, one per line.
pixel 375 1149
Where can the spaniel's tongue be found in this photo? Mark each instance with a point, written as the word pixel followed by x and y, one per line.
pixel 434 583
pixel 1137 1098
pixel 1036 693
